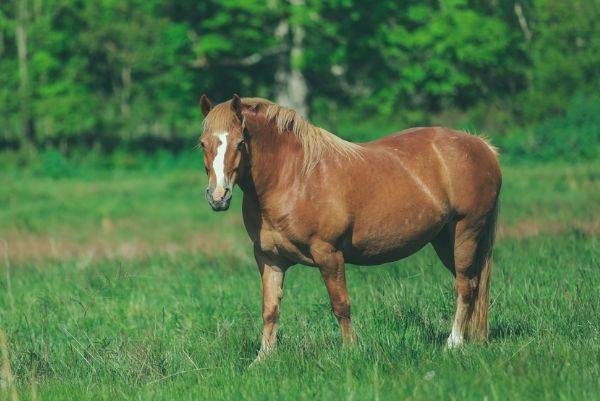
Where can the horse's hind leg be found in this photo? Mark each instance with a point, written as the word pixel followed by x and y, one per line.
pixel 450 254
pixel 472 263
pixel 464 255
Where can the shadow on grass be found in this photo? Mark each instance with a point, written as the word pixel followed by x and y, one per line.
pixel 511 330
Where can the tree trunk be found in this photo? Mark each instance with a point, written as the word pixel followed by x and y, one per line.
pixel 27 122
pixel 523 22
pixel 126 91
pixel 291 86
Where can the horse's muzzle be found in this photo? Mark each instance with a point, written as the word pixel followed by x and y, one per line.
pixel 222 203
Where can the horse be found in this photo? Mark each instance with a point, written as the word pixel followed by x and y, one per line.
pixel 312 198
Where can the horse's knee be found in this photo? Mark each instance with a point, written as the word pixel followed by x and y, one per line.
pixel 271 314
pixel 341 308
pixel 466 288
pixel 272 295
pixel 271 308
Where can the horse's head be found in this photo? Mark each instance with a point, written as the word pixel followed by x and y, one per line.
pixel 225 151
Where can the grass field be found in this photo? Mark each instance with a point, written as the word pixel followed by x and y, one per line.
pixel 124 285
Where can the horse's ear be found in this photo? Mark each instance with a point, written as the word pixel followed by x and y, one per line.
pixel 254 107
pixel 205 104
pixel 236 105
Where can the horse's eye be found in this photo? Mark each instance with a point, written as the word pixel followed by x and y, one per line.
pixel 241 144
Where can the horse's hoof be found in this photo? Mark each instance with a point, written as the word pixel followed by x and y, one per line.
pixel 349 339
pixel 454 343
pixel 255 362
pixel 260 358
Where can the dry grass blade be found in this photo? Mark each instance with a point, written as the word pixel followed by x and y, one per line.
pixel 8 380
pixel 11 300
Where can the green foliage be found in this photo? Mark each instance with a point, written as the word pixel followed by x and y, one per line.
pixel 98 73
pixel 573 136
pixel 81 163
pixel 565 55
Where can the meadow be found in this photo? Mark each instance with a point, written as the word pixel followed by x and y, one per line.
pixel 123 284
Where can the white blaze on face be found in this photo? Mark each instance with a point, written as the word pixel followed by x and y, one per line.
pixel 219 164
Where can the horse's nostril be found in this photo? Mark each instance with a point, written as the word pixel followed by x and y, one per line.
pixel 218 193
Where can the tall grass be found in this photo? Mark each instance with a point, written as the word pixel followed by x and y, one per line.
pixel 187 326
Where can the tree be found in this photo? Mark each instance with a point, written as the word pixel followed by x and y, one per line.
pixel 291 87
pixel 565 54
pixel 27 121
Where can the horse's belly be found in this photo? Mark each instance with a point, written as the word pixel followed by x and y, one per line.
pixel 368 257
pixel 392 238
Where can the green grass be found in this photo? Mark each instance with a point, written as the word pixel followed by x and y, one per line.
pixel 125 286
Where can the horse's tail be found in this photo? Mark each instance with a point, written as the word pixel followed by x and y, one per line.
pixel 477 325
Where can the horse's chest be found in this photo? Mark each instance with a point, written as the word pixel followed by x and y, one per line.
pixel 274 235
pixel 278 243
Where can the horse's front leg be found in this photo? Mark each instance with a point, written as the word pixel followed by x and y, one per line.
pixel 272 274
pixel 331 264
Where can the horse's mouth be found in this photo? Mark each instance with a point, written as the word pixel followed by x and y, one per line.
pixel 220 205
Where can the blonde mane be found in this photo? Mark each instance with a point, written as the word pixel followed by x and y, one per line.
pixel 316 142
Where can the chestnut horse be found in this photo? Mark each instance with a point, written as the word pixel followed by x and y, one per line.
pixel 314 199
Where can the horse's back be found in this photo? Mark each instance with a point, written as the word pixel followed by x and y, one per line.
pixel 414 140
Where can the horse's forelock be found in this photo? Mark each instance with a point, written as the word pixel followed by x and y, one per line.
pixel 220 119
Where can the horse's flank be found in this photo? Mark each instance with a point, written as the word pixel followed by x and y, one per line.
pixel 316 142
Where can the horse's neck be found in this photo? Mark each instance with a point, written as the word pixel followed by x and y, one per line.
pixel 274 158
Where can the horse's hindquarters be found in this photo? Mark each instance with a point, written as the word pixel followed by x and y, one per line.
pixel 411 186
